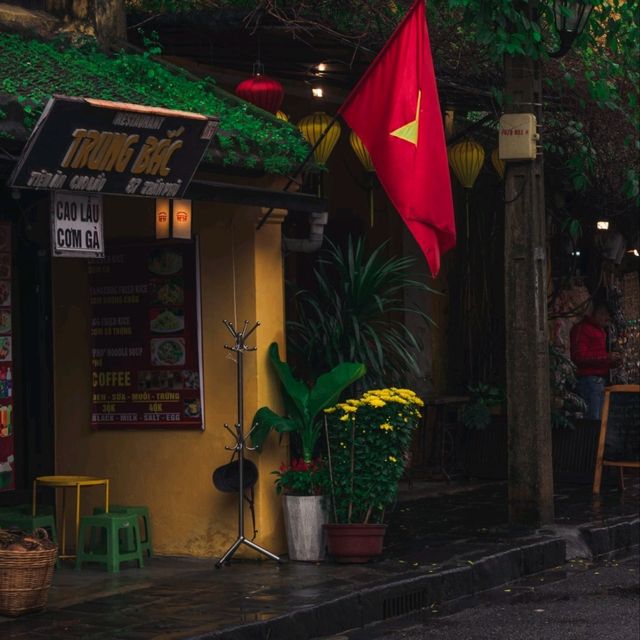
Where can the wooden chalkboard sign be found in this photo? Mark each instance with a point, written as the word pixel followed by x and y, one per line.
pixel 619 444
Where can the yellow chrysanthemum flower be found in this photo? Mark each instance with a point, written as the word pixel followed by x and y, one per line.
pixel 385 426
pixel 330 410
pixel 392 459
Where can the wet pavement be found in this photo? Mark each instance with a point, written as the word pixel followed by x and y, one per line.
pixel 579 600
pixel 439 547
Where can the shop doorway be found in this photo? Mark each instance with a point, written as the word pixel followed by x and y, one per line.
pixel 32 359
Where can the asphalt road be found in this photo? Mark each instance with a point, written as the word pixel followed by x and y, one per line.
pixel 581 601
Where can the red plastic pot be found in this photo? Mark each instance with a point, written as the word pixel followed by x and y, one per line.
pixel 354 543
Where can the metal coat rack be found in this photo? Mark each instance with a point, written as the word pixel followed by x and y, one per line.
pixel 240 347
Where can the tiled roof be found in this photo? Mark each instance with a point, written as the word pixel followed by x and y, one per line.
pixel 248 138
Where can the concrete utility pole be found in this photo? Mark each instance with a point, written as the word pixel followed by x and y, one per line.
pixel 527 340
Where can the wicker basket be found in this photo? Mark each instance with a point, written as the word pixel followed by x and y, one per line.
pixel 25 578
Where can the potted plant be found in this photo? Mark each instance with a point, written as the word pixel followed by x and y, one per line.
pixel 346 315
pixel 301 485
pixel 304 405
pixel 368 439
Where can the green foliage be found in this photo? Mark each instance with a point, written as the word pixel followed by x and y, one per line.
pixel 302 478
pixel 566 404
pixel 369 438
pixel 185 6
pixel 249 137
pixel 356 313
pixel 572 227
pixel 303 404
pixel 477 414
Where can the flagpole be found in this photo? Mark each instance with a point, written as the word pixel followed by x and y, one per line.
pixel 300 168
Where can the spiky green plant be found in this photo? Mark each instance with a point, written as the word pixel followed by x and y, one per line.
pixel 356 313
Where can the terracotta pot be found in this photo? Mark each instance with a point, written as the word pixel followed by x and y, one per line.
pixel 354 542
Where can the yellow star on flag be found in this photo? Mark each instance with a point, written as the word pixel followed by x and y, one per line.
pixel 409 131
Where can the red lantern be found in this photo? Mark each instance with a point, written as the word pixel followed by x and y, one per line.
pixel 262 91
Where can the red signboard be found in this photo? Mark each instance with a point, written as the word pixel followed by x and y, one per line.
pixel 145 340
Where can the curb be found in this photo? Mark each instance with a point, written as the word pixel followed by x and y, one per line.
pixel 605 539
pixel 401 596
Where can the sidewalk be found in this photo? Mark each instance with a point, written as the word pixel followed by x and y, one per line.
pixel 439 548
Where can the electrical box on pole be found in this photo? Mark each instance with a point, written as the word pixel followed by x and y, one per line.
pixel 518 137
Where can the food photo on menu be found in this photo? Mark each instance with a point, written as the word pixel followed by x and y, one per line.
pixel 5 293
pixel 166 320
pixel 165 262
pixel 5 348
pixel 167 352
pixel 168 293
pixel 192 408
pixel 5 321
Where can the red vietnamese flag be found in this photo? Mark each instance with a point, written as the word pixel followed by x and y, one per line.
pixel 395 111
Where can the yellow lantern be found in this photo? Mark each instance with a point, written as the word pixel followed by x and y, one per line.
pixel 498 164
pixel 312 128
pixel 361 151
pixel 281 115
pixel 466 159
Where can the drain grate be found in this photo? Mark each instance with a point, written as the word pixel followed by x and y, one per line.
pixel 403 604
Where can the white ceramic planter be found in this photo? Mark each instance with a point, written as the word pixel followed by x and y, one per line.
pixel 303 519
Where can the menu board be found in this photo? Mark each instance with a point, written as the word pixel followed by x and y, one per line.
pixel 7 446
pixel 145 337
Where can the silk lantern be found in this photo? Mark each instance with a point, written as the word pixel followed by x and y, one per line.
pixel 466 159
pixel 498 164
pixel 281 115
pixel 365 159
pixel 361 151
pixel 262 91
pixel 313 128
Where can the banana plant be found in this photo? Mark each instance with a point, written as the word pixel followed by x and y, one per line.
pixel 303 404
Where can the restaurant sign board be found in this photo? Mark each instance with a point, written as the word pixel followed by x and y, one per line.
pixel 76 225
pixel 85 145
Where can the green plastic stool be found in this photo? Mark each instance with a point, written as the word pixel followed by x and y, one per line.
pixel 112 556
pixel 143 514
pixel 27 522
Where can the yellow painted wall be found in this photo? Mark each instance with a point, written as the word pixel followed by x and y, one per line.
pixel 170 471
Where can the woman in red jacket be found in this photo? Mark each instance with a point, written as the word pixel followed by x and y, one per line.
pixel 593 361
